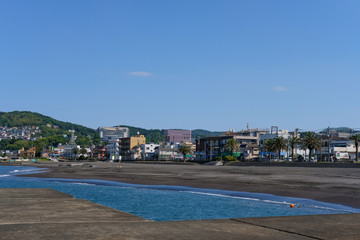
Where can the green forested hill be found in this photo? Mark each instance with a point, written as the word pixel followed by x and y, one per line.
pixel 340 129
pixel 53 131
pixel 25 118
pixel 204 133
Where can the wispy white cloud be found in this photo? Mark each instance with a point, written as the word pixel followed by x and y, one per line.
pixel 279 89
pixel 140 74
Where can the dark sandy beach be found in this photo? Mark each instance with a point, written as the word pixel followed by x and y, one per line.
pixel 333 185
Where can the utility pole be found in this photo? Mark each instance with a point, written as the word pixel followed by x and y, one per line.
pixel 295 150
pixel 220 151
pixel 328 132
pixel 206 148
pixel 288 151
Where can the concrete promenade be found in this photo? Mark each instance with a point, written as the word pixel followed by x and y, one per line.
pixel 48 214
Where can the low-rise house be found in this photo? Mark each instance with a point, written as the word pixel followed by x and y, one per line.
pixel 68 150
pixel 99 152
pixel 338 150
pixel 25 133
pixel 148 151
pixel 135 153
pixel 169 151
pixel 29 153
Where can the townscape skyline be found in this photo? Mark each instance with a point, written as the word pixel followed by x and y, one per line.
pixel 221 130
pixel 31 134
pixel 213 65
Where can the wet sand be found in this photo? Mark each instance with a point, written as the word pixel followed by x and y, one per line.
pixel 332 185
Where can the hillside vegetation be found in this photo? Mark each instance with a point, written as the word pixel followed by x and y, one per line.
pixel 340 129
pixel 52 130
pixel 204 133
pixel 26 118
pixel 152 135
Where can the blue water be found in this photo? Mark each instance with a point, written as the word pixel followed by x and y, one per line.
pixel 167 203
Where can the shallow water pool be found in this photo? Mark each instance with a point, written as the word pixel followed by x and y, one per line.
pixel 167 203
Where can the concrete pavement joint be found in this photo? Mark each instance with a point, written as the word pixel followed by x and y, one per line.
pixel 281 230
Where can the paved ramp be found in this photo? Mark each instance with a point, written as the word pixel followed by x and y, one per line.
pixel 48 214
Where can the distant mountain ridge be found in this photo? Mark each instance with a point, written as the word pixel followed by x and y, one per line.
pixel 204 133
pixel 157 135
pixel 340 129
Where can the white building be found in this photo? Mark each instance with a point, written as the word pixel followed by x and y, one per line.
pixel 273 134
pixel 270 135
pixel 148 150
pixel 112 136
pixel 111 133
pixel 114 148
pixel 343 150
pixel 286 154
pixel 67 150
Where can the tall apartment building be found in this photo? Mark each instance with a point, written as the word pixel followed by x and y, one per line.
pixel 128 143
pixel 177 136
pixel 112 135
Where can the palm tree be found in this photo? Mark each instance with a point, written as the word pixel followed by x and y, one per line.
pixel 75 151
pixel 356 139
pixel 311 142
pixel 269 146
pixel 279 144
pixel 232 145
pixel 83 151
pixel 293 141
pixel 184 150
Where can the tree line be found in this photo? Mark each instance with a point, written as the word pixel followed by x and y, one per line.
pixel 276 145
pixel 309 141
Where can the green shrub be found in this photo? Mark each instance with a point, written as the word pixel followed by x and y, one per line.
pixel 230 158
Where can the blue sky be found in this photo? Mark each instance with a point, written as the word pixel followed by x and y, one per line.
pixel 187 64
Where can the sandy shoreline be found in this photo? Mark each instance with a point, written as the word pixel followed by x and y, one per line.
pixel 332 185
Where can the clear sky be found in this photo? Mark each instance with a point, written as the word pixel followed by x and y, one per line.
pixel 211 64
